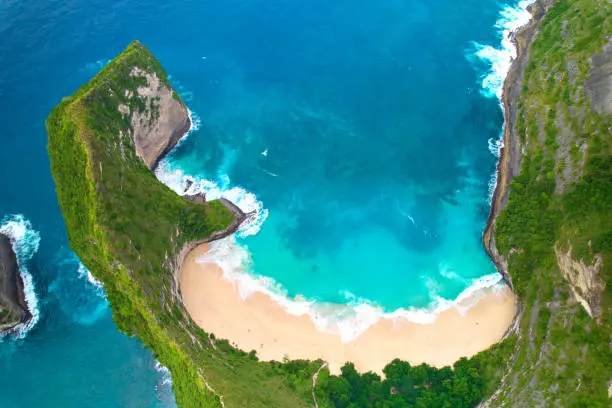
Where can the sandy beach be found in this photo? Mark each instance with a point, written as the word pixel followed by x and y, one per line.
pixel 259 323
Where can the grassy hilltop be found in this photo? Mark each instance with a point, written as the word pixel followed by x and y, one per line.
pixel 553 231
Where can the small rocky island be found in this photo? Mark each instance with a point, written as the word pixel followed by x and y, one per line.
pixel 13 307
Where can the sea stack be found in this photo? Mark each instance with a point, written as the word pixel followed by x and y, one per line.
pixel 13 307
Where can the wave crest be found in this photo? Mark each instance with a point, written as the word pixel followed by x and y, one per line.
pixel 499 59
pixel 348 320
pixel 184 184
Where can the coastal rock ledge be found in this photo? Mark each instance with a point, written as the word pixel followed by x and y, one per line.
pixel 13 307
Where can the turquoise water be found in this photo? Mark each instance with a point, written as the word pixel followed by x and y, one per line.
pixel 360 131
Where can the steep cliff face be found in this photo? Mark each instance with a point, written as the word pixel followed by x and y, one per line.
pixel 160 119
pixel 509 162
pixel 585 281
pixel 550 231
pixel 13 308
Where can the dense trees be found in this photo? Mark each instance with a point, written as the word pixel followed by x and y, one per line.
pixel 404 385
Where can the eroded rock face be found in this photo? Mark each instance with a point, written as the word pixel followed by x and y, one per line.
pixel 584 280
pixel 599 82
pixel 13 308
pixel 159 126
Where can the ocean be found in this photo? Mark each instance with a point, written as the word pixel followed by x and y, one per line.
pixel 364 136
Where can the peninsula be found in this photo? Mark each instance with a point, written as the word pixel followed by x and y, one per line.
pixel 549 234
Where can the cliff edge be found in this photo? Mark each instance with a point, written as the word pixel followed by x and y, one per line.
pixel 509 162
pixel 13 308
pixel 549 228
pixel 155 131
pixel 131 231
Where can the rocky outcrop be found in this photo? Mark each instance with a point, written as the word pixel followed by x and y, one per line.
pixel 13 308
pixel 599 83
pixel 584 280
pixel 158 118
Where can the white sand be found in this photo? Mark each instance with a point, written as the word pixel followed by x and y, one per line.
pixel 259 323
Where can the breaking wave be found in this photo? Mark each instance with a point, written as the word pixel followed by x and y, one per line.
pixel 347 320
pixel 499 59
pixel 184 184
pixel 25 242
pixel 498 62
pixel 164 385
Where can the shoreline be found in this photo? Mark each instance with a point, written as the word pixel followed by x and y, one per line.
pixel 260 323
pixel 508 164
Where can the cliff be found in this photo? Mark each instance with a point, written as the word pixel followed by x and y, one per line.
pixel 131 231
pixel 549 229
pixel 13 308
pixel 154 131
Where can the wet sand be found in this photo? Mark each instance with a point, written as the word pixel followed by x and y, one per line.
pixel 259 323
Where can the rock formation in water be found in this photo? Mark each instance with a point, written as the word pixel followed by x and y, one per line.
pixel 13 307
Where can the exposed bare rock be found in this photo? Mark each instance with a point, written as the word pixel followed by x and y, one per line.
pixel 599 83
pixel 160 125
pixel 13 308
pixel 584 280
pixel 199 198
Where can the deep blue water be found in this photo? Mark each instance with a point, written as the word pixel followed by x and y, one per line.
pixel 375 174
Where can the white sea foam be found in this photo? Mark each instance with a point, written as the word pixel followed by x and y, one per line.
pixel 195 121
pixel 500 58
pixel 499 61
pixel 166 377
pixel 164 385
pixel 348 320
pixel 25 241
pixel 185 184
pixel 86 274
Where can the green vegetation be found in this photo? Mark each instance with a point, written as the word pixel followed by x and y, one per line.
pixel 464 385
pixel 7 316
pixel 128 228
pixel 563 198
